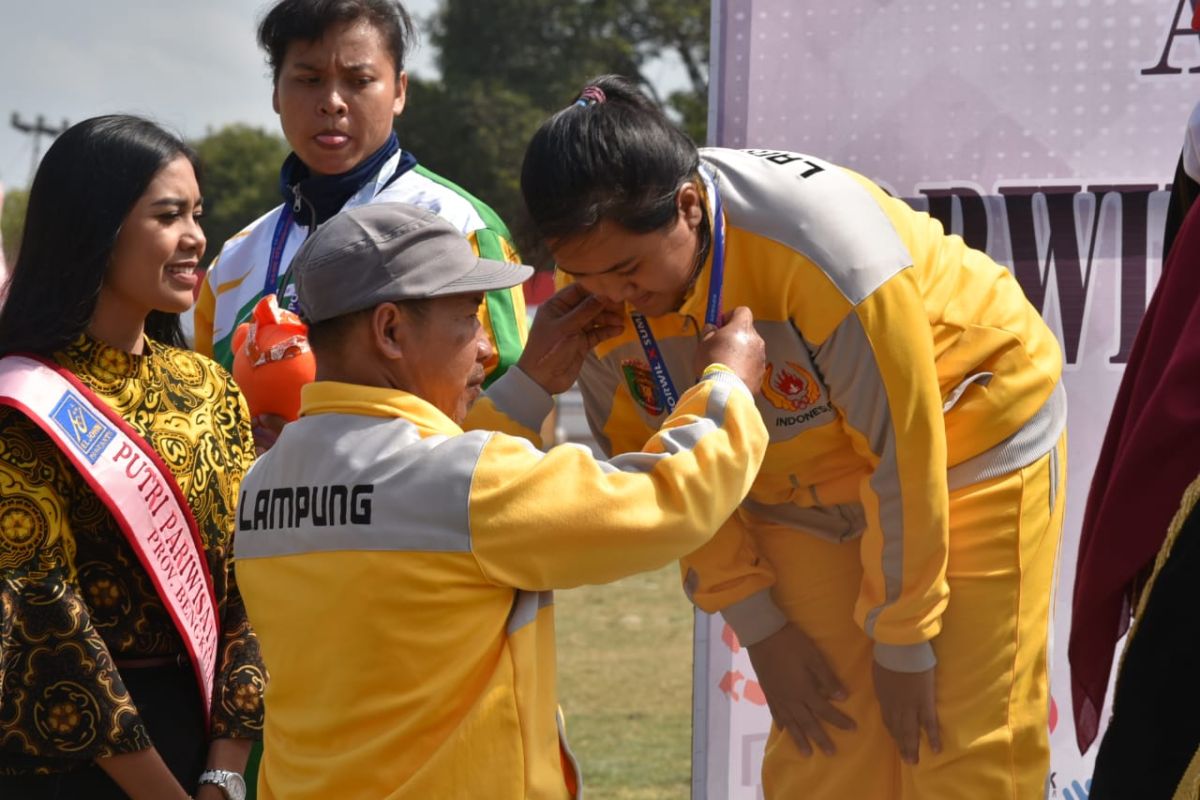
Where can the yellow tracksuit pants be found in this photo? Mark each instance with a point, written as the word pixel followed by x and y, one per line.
pixel 992 696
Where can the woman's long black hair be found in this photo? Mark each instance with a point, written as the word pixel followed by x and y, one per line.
pixel 618 158
pixel 85 187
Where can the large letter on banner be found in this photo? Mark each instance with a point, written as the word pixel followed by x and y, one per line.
pixel 1031 128
pixel 136 487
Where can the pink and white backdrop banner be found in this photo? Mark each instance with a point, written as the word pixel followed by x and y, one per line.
pixel 1044 131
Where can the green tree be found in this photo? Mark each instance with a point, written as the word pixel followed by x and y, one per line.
pixel 475 135
pixel 12 223
pixel 546 49
pixel 240 179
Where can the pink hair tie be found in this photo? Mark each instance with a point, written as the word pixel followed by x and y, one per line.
pixel 590 95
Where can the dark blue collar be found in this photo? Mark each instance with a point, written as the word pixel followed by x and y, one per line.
pixel 325 195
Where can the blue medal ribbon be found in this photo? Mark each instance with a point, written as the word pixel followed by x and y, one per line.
pixel 278 242
pixel 716 281
pixel 664 387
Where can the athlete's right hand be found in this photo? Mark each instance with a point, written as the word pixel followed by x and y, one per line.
pixel 799 685
pixel 736 345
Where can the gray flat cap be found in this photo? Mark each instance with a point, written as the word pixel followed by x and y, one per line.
pixel 384 252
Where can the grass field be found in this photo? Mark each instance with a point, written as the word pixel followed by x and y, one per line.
pixel 625 685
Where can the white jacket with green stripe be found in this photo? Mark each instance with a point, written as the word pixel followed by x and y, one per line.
pixel 236 279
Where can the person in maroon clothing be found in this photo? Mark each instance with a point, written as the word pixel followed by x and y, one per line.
pixel 1148 458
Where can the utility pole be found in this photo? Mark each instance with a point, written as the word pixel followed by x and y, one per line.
pixel 37 130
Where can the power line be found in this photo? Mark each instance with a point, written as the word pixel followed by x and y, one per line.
pixel 36 129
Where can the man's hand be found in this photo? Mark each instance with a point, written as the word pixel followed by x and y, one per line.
pixel 566 327
pixel 266 429
pixel 799 684
pixel 736 345
pixel 906 701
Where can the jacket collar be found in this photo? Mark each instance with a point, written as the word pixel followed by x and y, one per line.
pixel 334 397
pixel 326 195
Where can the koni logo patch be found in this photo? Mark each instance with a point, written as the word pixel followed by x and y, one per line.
pixel 790 388
pixel 84 429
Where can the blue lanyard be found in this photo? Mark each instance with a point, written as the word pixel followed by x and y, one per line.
pixel 663 385
pixel 278 242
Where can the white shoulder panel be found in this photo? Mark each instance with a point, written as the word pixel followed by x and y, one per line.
pixel 418 190
pixel 816 209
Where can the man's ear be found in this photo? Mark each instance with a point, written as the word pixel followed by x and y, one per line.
pixel 389 330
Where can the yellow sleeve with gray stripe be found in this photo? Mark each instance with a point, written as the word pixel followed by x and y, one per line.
pixel 565 518
pixel 514 404
pixel 879 365
pixel 728 575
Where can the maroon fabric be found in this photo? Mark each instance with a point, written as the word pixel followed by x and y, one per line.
pixel 1151 453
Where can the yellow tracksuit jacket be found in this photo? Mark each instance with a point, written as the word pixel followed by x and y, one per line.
pixel 902 364
pixel 399 575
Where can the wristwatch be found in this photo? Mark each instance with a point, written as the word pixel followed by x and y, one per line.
pixel 231 783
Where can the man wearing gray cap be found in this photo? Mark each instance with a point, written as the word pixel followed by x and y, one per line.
pixel 414 657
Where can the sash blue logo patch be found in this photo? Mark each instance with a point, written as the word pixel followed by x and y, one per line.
pixel 84 429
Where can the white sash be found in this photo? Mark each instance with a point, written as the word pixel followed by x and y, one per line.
pixel 139 491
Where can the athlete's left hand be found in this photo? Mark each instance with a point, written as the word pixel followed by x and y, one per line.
pixel 908 705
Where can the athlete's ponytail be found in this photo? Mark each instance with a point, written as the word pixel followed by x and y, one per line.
pixel 611 154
